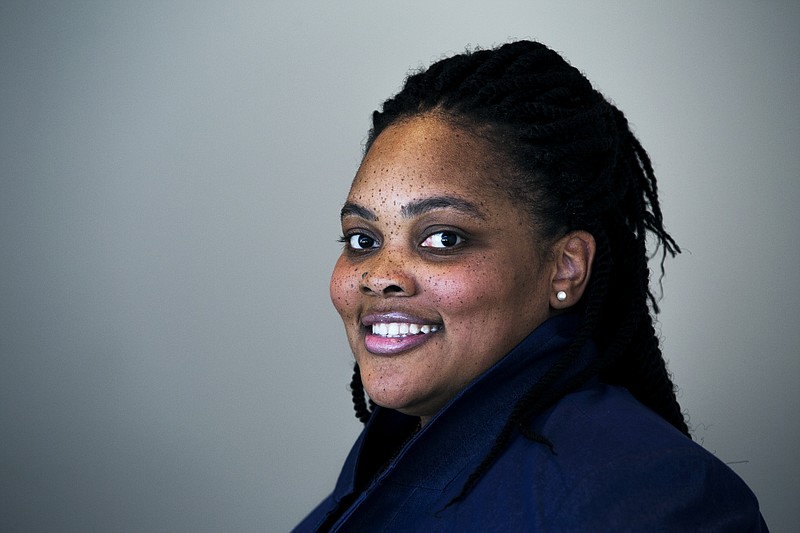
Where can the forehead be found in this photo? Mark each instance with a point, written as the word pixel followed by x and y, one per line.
pixel 425 154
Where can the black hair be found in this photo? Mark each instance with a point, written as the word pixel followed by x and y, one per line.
pixel 576 165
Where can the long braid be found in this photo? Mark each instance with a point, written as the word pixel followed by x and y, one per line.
pixel 360 406
pixel 575 165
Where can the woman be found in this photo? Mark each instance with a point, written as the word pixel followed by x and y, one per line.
pixel 494 288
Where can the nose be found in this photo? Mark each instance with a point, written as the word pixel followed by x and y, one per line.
pixel 387 276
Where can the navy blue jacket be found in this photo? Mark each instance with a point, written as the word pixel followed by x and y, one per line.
pixel 616 466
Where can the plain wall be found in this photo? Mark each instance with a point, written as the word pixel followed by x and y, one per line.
pixel 171 175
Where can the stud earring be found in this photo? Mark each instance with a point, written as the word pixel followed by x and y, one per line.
pixel 561 296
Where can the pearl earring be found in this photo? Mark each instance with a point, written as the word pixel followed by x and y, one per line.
pixel 561 296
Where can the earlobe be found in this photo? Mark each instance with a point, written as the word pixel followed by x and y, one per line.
pixel 574 254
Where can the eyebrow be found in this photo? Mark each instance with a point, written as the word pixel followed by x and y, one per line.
pixel 352 209
pixel 417 208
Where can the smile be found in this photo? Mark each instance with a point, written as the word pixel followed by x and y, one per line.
pixel 402 329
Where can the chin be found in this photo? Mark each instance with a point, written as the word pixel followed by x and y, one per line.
pixel 396 398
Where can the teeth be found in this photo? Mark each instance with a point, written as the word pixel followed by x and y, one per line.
pixel 402 329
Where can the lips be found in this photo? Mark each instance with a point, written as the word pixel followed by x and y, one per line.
pixel 395 332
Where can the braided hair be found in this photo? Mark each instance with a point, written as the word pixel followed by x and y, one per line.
pixel 575 166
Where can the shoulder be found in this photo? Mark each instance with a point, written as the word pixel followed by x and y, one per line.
pixel 624 468
pixel 615 466
pixel 612 420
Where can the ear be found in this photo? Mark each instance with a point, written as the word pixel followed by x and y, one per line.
pixel 574 254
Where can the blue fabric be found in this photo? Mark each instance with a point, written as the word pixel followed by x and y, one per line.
pixel 617 465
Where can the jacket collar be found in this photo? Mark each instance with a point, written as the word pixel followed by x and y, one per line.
pixel 459 435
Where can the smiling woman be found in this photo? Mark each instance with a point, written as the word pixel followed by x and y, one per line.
pixel 430 248
pixel 494 290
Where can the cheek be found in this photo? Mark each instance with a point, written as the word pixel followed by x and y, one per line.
pixel 481 295
pixel 461 290
pixel 343 286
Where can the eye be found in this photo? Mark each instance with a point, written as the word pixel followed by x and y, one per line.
pixel 360 241
pixel 443 239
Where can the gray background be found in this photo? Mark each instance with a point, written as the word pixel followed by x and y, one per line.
pixel 171 177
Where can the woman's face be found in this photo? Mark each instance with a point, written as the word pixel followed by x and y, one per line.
pixel 441 274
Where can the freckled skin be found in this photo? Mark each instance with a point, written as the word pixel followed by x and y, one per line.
pixel 487 293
